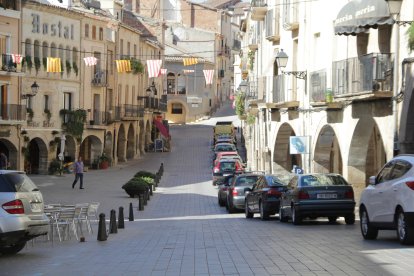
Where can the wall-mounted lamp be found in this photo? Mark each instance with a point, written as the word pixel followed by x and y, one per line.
pixel 34 88
pixel 282 59
pixel 243 86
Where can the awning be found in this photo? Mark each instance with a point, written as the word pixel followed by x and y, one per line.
pixel 359 15
pixel 162 128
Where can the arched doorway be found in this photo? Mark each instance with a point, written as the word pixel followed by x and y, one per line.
pixel 406 138
pixel 366 154
pixel 11 152
pixel 36 157
pixel 282 159
pixel 121 144
pixel 131 143
pixel 69 154
pixel 90 150
pixel 327 156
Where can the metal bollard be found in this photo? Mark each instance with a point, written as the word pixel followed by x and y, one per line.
pixel 112 223
pixel 121 224
pixel 131 212
pixel 141 202
pixel 102 236
pixel 150 189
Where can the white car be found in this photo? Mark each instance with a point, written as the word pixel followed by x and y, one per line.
pixel 388 202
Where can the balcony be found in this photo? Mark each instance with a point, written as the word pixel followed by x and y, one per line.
pixel 9 68
pixel 253 41
pixel 273 26
pixel 12 112
pixel 258 9
pixel 131 112
pixel 100 118
pixel 236 45
pixel 99 78
pixel 282 96
pixel 290 15
pixel 317 86
pixel 365 77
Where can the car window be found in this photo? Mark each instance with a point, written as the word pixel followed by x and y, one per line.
pixel 16 182
pixel 275 181
pixel 227 166
pixel 259 184
pixel 246 180
pixel 384 174
pixel 322 180
pixel 293 182
pixel 399 169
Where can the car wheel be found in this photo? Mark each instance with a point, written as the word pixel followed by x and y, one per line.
pixel 282 216
pixel 263 214
pixel 296 218
pixel 12 249
pixel 405 233
pixel 220 202
pixel 368 232
pixel 247 212
pixel 350 219
pixel 332 219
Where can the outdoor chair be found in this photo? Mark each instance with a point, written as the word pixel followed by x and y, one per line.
pixel 64 221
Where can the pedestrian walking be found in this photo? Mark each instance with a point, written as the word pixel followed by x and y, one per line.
pixel 78 170
pixel 3 161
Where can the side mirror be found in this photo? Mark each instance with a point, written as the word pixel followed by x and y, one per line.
pixel 372 180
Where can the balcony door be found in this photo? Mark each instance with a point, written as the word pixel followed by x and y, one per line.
pixel 96 108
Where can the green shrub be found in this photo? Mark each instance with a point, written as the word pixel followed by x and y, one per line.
pixel 145 174
pixel 54 167
pixel 136 186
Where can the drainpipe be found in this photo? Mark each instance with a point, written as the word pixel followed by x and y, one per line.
pixel 396 31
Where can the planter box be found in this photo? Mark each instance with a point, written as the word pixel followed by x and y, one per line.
pixel 135 192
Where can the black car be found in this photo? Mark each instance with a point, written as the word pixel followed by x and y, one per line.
pixel 264 197
pixel 223 185
pixel 317 195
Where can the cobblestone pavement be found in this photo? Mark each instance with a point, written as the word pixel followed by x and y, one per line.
pixel 183 231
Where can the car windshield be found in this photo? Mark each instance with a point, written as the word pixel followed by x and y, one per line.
pixel 246 180
pixel 225 147
pixel 227 166
pixel 275 181
pixel 322 180
pixel 16 182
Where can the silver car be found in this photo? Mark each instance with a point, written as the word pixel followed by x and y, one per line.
pixel 22 216
pixel 236 191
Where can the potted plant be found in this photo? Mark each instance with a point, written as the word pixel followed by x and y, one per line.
pixel 145 174
pixel 136 186
pixel 104 161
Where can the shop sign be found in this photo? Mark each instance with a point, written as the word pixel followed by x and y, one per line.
pixel 195 100
pixel 57 29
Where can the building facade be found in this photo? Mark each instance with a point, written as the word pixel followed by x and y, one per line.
pixel 342 102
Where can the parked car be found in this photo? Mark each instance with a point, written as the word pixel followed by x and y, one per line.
pixel 235 156
pixel 226 167
pixel 388 202
pixel 22 216
pixel 264 197
pixel 223 147
pixel 236 191
pixel 317 195
pixel 223 185
pixel 222 153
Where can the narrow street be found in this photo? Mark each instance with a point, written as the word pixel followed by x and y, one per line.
pixel 183 231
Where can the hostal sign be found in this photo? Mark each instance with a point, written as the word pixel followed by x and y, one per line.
pixel 55 29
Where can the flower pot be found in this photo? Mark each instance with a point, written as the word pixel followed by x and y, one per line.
pixel 104 165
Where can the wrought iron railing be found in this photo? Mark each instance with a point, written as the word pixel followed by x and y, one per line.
pixel 12 112
pixel 99 78
pixel 317 86
pixel 367 73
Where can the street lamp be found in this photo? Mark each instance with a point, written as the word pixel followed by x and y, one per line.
pixel 394 6
pixel 243 86
pixel 282 59
pixel 34 89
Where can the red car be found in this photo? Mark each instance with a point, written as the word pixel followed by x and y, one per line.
pixel 226 167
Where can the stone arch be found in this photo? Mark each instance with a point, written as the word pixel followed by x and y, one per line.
pixel 90 150
pixel 11 152
pixel 327 155
pixel 130 143
pixel 37 157
pixel 366 154
pixel 283 160
pixel 121 144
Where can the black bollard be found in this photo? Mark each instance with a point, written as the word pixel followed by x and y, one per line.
pixel 162 168
pixel 141 202
pixel 102 228
pixel 121 224
pixel 131 212
pixel 153 187
pixel 112 223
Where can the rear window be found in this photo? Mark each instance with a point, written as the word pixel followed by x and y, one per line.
pixel 276 181
pixel 16 182
pixel 227 166
pixel 225 148
pixel 323 180
pixel 246 180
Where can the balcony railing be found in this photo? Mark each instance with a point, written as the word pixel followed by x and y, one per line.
pixel 290 15
pixel 317 86
pixel 259 9
pixel 253 40
pixel 12 112
pixel 8 4
pixel 99 78
pixel 272 25
pixel 131 111
pixel 101 118
pixel 8 65
pixel 363 74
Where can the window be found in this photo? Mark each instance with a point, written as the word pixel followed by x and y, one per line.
pixel 67 100
pixel 93 32
pixel 75 57
pixel 100 33
pixel 111 62
pixel 46 102
pixel 61 56
pixel 399 169
pixel 177 108
pixel 28 48
pixel 53 51
pixel 384 174
pixel 45 50
pixel 87 30
pixel 37 49
pixel 68 56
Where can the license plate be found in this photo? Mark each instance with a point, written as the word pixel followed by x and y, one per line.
pixel 327 196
